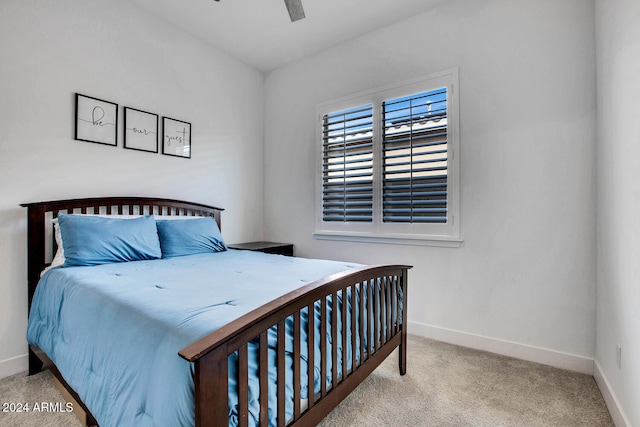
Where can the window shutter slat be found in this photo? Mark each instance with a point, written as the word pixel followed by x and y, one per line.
pixel 347 165
pixel 415 158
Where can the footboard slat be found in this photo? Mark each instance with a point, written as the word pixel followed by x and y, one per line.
pixel 343 323
pixel 264 379
pixel 389 306
pixel 296 365
pixel 383 311
pixel 376 316
pixel 334 340
pixel 243 387
pixel 353 337
pixel 361 330
pixel 312 354
pixel 394 292
pixel 323 347
pixel 371 320
pixel 281 373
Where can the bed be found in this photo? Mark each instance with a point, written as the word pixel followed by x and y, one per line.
pixel 271 346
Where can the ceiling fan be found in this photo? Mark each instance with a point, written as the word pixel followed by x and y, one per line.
pixel 296 12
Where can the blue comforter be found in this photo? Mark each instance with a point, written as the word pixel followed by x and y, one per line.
pixel 114 331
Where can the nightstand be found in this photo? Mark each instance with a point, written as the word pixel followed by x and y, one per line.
pixel 266 247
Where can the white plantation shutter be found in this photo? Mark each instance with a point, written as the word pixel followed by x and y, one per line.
pixel 415 158
pixel 347 165
pixel 389 171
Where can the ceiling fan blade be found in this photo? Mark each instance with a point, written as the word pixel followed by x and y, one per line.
pixel 296 12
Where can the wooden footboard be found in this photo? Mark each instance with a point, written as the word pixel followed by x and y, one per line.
pixel 374 326
pixel 377 319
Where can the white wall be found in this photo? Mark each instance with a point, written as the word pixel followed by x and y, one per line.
pixel 618 313
pixel 523 283
pixel 115 51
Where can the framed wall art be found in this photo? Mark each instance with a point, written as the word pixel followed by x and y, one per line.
pixel 176 140
pixel 96 120
pixel 140 130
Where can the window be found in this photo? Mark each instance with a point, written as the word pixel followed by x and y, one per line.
pixel 388 169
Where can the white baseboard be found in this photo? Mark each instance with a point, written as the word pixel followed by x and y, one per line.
pixel 544 356
pixel 618 415
pixel 14 365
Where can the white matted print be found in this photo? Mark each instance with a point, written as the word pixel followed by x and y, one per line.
pixel 96 120
pixel 140 130
pixel 176 140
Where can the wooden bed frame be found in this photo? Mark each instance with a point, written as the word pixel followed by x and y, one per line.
pixel 385 321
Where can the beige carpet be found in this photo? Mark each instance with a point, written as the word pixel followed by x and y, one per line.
pixel 445 385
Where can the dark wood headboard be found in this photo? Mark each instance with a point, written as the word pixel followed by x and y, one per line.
pixel 39 216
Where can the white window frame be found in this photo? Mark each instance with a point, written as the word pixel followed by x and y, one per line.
pixel 431 234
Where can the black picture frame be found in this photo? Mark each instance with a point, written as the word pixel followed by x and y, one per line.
pixel 176 138
pixel 96 120
pixel 140 130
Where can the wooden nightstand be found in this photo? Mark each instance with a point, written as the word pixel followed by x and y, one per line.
pixel 266 247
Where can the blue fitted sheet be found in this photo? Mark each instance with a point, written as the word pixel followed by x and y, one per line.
pixel 114 330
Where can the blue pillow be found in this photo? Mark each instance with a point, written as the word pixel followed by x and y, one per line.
pixel 189 236
pixel 92 240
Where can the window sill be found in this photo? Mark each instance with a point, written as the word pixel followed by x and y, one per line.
pixel 396 239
